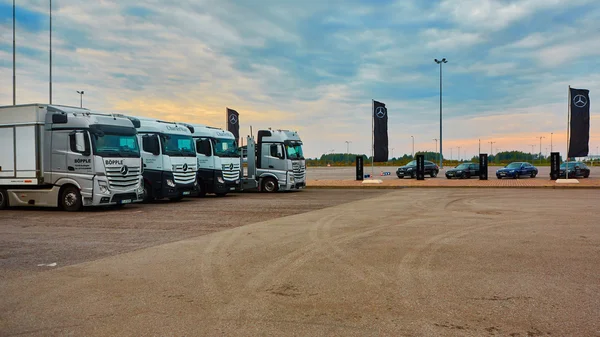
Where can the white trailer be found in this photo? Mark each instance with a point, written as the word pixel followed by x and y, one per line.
pixel 52 155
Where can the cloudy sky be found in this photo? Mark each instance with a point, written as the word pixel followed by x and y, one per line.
pixel 314 66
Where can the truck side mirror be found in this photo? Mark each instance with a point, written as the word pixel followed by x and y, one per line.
pixel 206 149
pixel 203 146
pixel 150 144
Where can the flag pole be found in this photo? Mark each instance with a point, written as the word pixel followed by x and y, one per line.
pixel 14 60
pixel 372 137
pixel 50 54
pixel 568 132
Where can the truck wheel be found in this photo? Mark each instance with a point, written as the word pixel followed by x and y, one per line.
pixel 148 197
pixel 269 185
pixel 3 199
pixel 201 190
pixel 70 199
pixel 433 174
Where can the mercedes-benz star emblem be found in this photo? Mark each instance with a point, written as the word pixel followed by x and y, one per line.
pixel 580 101
pixel 231 167
pixel 233 119
pixel 185 167
pixel 380 112
pixel 124 170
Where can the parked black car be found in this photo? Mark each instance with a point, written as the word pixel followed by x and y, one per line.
pixel 463 171
pixel 410 169
pixel 576 169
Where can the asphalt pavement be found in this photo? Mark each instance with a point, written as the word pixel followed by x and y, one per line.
pixel 411 262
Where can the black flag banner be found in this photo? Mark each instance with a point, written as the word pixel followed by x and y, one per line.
pixel 380 132
pixel 580 123
pixel 233 123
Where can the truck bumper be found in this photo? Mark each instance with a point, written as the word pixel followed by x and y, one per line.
pixel 180 190
pixel 113 196
pixel 228 186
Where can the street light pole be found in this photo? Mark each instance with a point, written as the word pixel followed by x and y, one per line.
pixel 540 137
pixel 551 148
pixel 50 53
pixel 491 144
pixel 440 62
pixel 80 98
pixel 436 151
pixel 14 60
pixel 413 146
pixel 348 152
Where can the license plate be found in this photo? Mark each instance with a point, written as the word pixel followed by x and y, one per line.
pixel 186 193
pixel 502 174
pixel 232 188
pixel 128 201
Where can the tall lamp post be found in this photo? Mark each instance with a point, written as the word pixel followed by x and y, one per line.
pixel 80 98
pixel 541 137
pixel 551 148
pixel 436 151
pixel 348 151
pixel 440 62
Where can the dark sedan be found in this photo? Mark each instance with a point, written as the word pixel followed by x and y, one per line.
pixel 410 169
pixel 576 169
pixel 463 171
pixel 516 170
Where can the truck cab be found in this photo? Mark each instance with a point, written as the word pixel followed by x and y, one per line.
pixel 278 162
pixel 169 159
pixel 70 157
pixel 218 160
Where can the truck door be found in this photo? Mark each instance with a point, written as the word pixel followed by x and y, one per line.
pixel 276 157
pixel 204 157
pixel 60 143
pixel 80 165
pixel 151 159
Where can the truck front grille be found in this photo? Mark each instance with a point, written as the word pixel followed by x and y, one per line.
pixel 230 174
pixel 123 177
pixel 299 170
pixel 184 177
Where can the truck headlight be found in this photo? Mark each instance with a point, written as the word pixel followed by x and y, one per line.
pixel 220 180
pixel 170 183
pixel 103 187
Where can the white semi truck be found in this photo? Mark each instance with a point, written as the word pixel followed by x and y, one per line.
pixel 168 157
pixel 275 162
pixel 218 160
pixel 52 155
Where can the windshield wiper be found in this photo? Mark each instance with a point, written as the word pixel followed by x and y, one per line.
pixel 111 151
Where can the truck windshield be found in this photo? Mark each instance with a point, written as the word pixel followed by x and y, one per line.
pixel 224 147
pixel 294 150
pixel 114 141
pixel 178 145
pixel 108 145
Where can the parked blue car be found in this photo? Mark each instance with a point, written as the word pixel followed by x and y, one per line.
pixel 516 170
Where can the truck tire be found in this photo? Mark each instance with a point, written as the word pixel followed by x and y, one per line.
pixel 201 190
pixel 148 197
pixel 70 199
pixel 269 185
pixel 3 199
